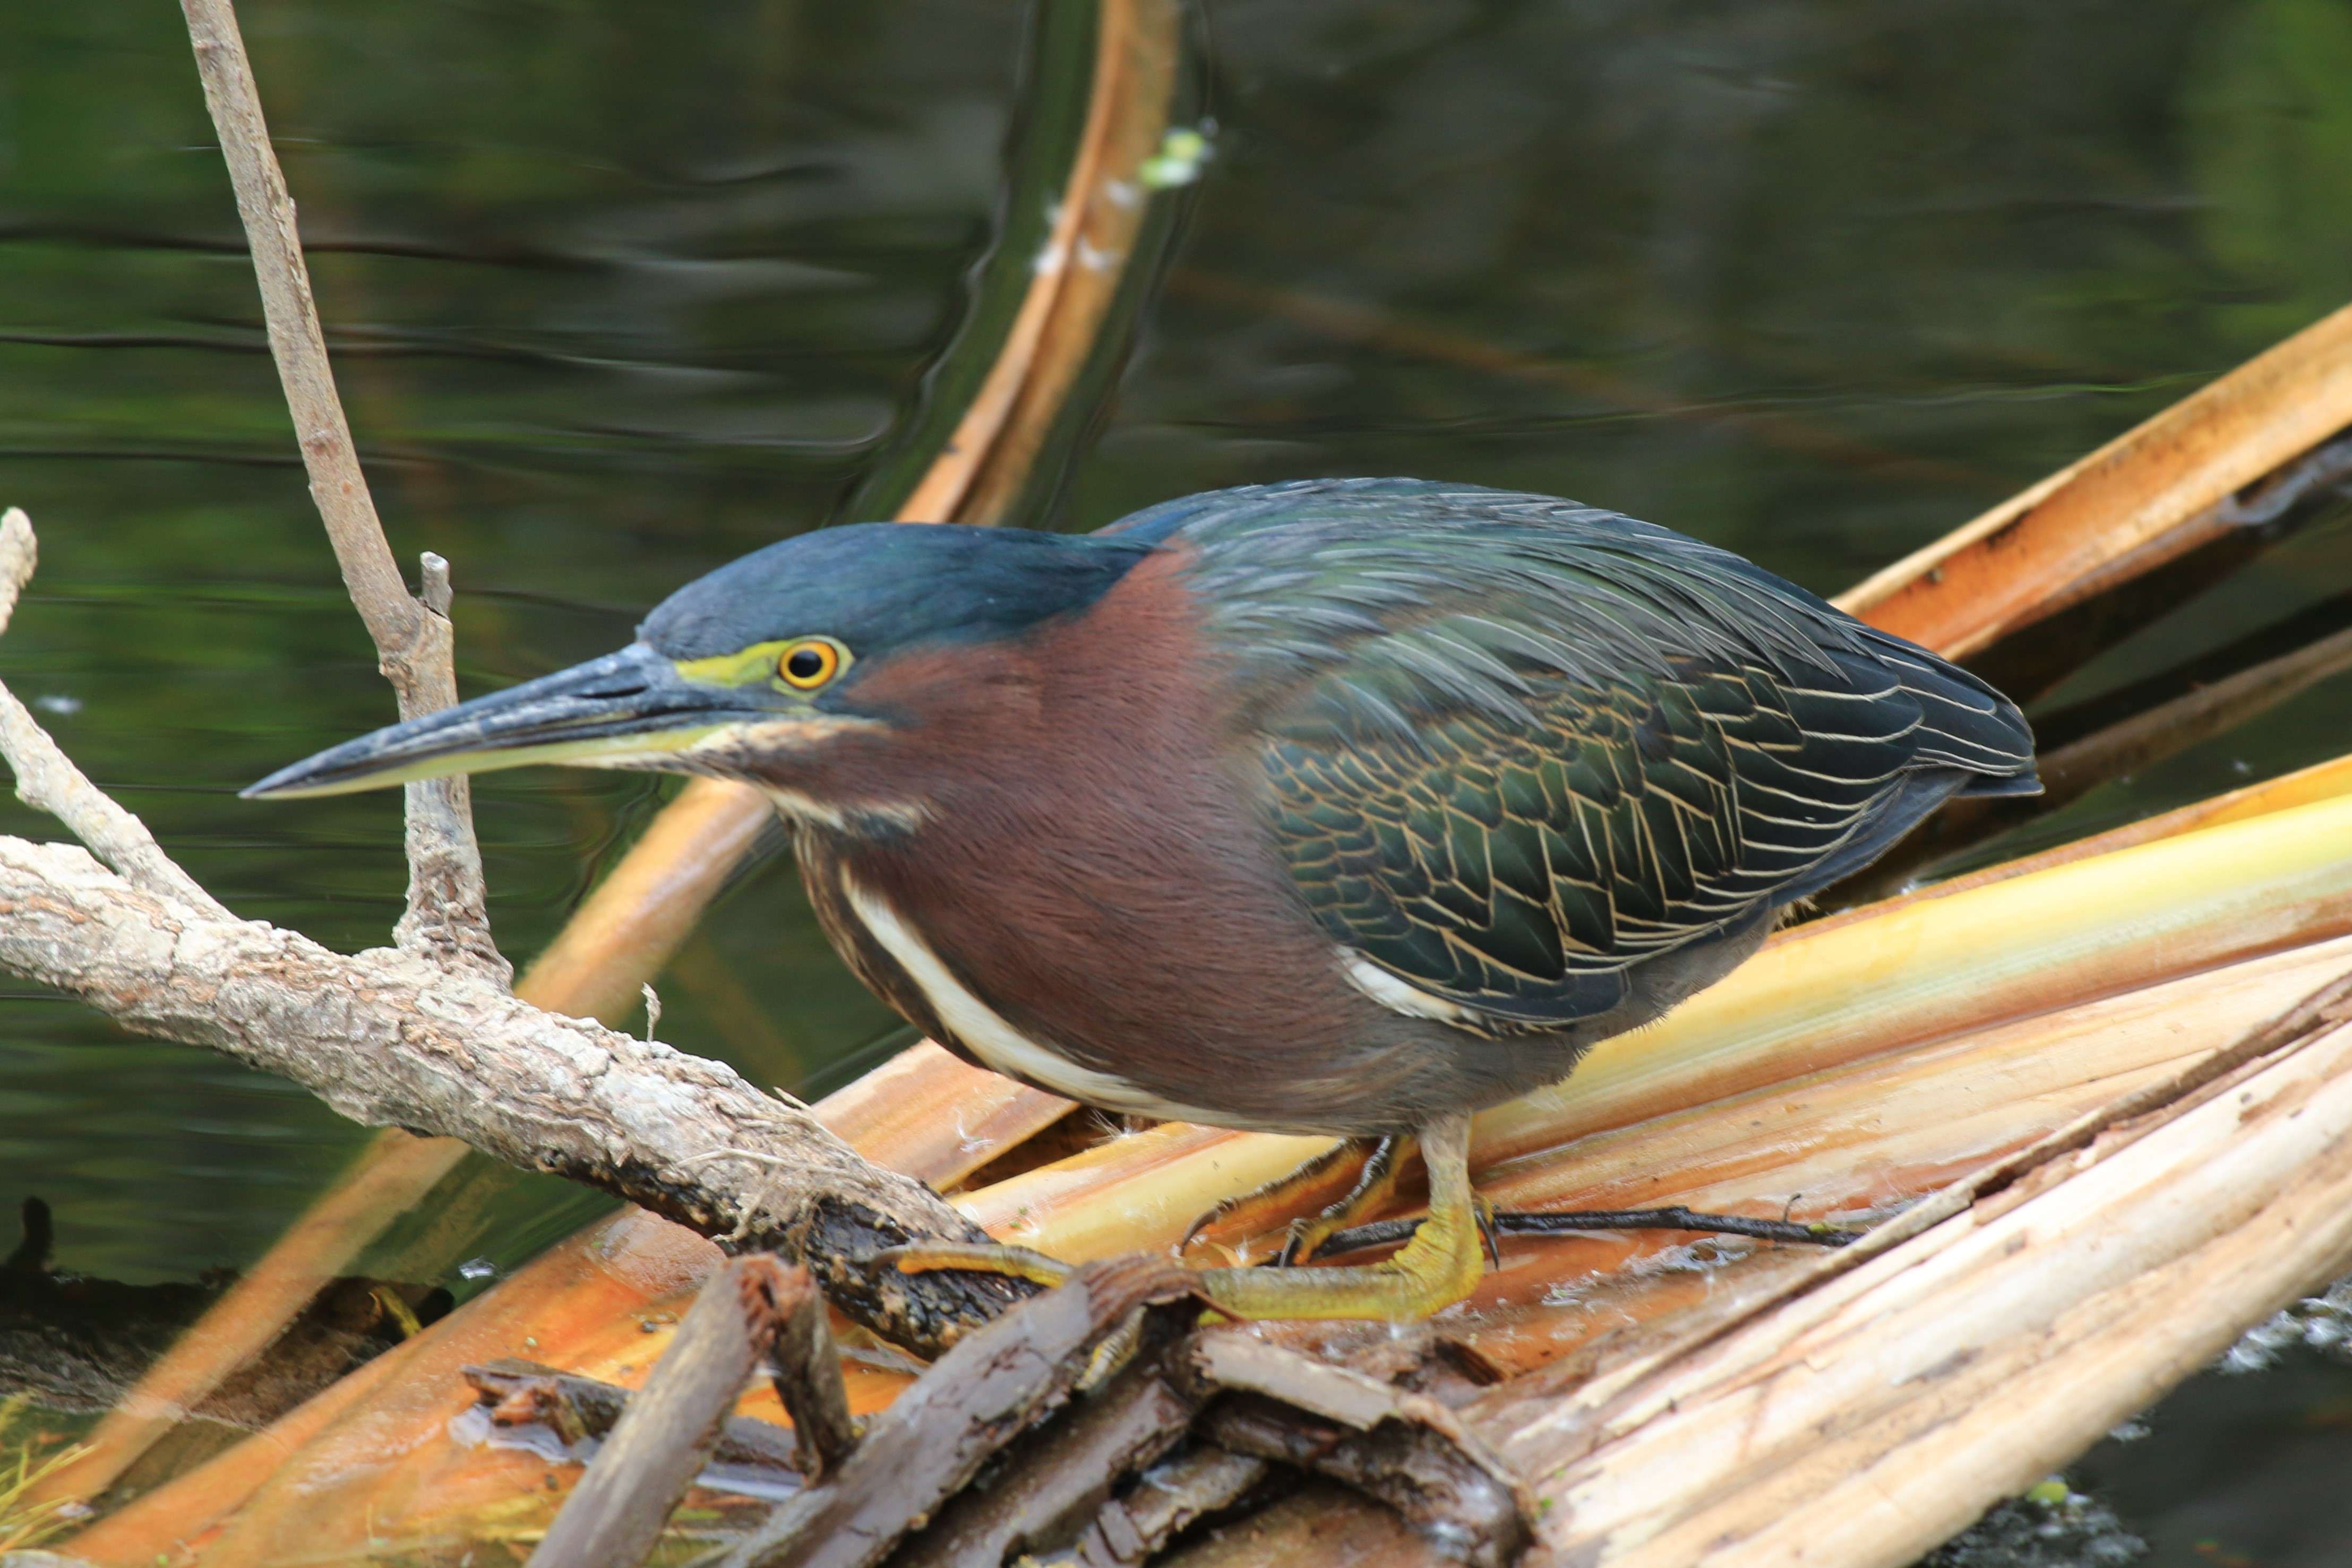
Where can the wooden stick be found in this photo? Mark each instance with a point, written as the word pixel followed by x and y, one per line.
pixel 935 1439
pixel 446 893
pixel 664 1436
pixel 806 1371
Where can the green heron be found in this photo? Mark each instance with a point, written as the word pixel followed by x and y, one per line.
pixel 1338 806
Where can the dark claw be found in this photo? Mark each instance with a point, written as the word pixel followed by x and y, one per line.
pixel 1387 1232
pixel 1490 1236
pixel 1288 1256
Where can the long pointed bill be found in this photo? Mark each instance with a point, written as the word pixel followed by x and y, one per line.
pixel 629 708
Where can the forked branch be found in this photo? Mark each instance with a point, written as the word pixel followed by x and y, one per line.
pixel 445 891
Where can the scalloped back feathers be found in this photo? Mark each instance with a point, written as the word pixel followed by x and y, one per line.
pixel 1515 748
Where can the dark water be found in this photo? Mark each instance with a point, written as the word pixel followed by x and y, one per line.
pixel 618 292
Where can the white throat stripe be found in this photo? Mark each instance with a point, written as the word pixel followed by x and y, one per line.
pixel 986 1033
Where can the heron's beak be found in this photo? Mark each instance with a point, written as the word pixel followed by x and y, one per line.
pixel 627 709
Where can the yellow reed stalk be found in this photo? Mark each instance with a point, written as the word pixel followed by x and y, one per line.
pixel 2150 495
pixel 935 1117
pixel 1852 1141
pixel 1864 1421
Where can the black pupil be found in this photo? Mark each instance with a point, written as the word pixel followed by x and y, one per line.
pixel 805 664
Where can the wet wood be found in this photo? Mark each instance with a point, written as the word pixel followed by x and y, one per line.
pixel 664 1435
pixel 1060 1479
pixel 806 1371
pixel 1400 1447
pixel 525 1394
pixel 977 1399
pixel 1166 1502
pixel 1461 1512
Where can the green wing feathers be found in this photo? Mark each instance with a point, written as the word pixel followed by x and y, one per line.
pixel 1515 748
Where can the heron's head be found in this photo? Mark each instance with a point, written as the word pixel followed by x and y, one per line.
pixel 758 668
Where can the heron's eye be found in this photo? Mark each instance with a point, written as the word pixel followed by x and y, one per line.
pixel 808 666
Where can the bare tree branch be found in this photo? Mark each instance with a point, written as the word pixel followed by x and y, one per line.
pixel 446 894
pixel 388 1038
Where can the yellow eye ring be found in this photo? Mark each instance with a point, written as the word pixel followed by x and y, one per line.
pixel 808 664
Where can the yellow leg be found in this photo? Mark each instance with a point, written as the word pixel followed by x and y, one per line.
pixel 1440 1266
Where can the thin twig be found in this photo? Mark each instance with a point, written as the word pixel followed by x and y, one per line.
pixel 447 914
pixel 446 907
pixel 47 782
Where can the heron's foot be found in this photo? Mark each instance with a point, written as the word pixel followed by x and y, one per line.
pixel 1440 1265
pixel 1263 1208
pixel 1561 1222
pixel 1373 1188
